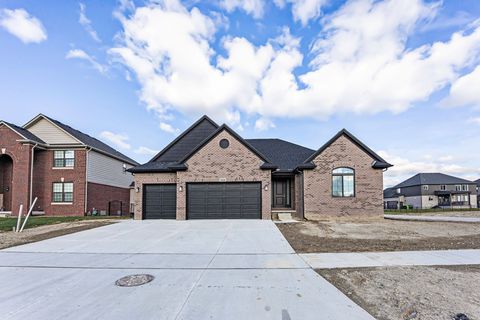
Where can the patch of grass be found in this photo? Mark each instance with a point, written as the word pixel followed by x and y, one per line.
pixel 7 224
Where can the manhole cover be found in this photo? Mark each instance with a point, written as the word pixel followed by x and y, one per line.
pixel 134 280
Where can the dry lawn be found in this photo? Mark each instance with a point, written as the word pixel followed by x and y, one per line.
pixel 380 235
pixel 10 238
pixel 427 293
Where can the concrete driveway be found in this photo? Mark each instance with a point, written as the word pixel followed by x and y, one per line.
pixel 224 269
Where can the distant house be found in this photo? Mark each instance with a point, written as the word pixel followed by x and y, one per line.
pixel 430 190
pixel 68 171
pixel 478 192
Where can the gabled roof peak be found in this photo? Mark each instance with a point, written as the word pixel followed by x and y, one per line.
pixel 379 162
pixel 187 140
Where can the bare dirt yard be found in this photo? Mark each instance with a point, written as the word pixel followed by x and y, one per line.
pixel 427 293
pixel 380 235
pixel 10 238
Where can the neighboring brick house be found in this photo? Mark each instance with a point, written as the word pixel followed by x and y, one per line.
pixel 68 171
pixel 432 190
pixel 210 172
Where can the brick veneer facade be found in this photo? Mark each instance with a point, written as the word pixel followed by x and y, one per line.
pixel 17 176
pixel 318 199
pixel 212 164
pixel 44 177
pixel 99 197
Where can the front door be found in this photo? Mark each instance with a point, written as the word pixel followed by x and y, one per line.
pixel 281 193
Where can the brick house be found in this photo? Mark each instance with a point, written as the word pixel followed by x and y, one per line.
pixel 68 171
pixel 210 172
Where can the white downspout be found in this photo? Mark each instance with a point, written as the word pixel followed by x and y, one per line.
pixel 31 174
pixel 86 180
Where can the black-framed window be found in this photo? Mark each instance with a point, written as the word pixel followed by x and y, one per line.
pixel 343 182
pixel 62 192
pixel 63 158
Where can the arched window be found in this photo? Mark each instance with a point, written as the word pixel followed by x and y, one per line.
pixel 343 182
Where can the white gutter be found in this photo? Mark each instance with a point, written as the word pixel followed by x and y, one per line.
pixel 31 174
pixel 86 179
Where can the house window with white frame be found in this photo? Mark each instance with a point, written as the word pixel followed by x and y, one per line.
pixel 425 187
pixel 458 187
pixel 63 158
pixel 443 187
pixel 465 187
pixel 62 192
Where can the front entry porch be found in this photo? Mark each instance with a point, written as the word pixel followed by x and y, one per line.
pixel 453 199
pixel 6 178
pixel 282 193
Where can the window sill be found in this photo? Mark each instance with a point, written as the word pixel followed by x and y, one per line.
pixel 63 168
pixel 61 203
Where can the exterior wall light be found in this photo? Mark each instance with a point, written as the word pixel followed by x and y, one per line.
pixel 137 189
pixel 266 187
pixel 180 189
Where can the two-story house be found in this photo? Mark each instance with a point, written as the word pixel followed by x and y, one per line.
pixel 478 192
pixel 432 190
pixel 68 171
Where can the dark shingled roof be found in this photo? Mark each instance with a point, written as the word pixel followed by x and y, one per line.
pixel 478 182
pixel 390 193
pixel 93 142
pixel 431 178
pixel 24 132
pixel 284 154
pixel 187 141
pixel 277 154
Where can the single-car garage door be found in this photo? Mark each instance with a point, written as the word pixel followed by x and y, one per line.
pixel 224 200
pixel 159 201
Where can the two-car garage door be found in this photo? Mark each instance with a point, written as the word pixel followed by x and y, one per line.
pixel 205 201
pixel 224 200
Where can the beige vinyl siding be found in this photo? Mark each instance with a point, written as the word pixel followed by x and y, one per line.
pixel 50 133
pixel 106 170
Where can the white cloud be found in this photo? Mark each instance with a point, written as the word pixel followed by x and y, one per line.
pixel 22 25
pixel 361 62
pixel 82 55
pixel 167 128
pixel 465 91
pixel 86 23
pixel 404 168
pixel 118 139
pixel 145 151
pixel 303 10
pixel 263 124
pixel 475 120
pixel 252 7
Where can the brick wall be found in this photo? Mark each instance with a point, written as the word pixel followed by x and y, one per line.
pixel 368 200
pixel 99 196
pixel 19 182
pixel 235 163
pixel 211 164
pixel 148 178
pixel 51 175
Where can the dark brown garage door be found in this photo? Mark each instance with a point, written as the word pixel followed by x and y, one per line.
pixel 224 200
pixel 159 201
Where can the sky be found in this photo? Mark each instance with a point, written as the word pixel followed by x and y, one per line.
pixel 401 75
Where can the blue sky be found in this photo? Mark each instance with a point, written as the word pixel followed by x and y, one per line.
pixel 400 74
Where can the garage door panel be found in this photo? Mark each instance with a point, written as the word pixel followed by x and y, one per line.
pixel 224 200
pixel 160 201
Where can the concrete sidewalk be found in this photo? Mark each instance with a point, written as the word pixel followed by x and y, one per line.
pixel 219 269
pixel 407 217
pixel 398 258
